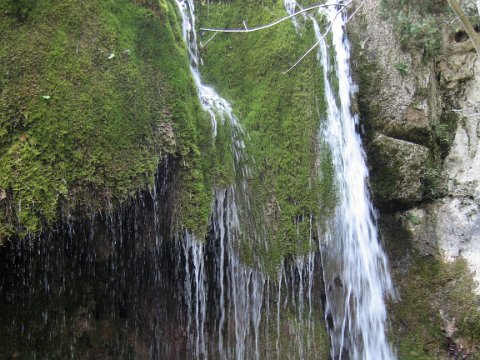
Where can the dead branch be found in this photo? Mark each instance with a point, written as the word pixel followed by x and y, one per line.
pixel 262 27
pixel 342 7
pixel 325 33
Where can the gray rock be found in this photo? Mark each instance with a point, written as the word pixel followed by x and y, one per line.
pixel 399 169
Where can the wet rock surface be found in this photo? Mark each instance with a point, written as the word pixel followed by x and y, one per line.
pixel 398 170
pixel 421 121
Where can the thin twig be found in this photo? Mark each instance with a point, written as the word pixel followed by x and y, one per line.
pixel 262 27
pixel 463 111
pixel 356 10
pixel 304 55
pixel 203 44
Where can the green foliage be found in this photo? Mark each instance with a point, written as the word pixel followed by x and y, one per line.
pixel 402 68
pixel 445 131
pixel 93 94
pixel 417 23
pixel 415 220
pixel 280 114
pixel 433 183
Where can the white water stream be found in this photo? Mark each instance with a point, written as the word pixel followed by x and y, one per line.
pixel 241 289
pixel 355 267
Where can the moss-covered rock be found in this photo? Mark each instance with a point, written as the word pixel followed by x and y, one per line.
pixel 435 314
pixel 399 170
pixel 280 113
pixel 93 95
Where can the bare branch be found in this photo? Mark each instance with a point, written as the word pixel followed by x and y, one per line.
pixel 467 112
pixel 262 27
pixel 245 29
pixel 325 34
pixel 203 44
pixel 304 55
pixel 356 10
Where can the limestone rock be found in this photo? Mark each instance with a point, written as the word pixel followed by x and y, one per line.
pixel 398 170
pixel 458 225
pixel 456 68
pixel 413 126
pixel 399 104
pixel 458 231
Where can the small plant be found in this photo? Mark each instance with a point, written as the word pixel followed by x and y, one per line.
pixel 415 220
pixel 433 184
pixel 442 132
pixel 416 23
pixel 402 68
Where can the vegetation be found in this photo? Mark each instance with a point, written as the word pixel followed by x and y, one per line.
pixel 445 132
pixel 402 68
pixel 420 23
pixel 280 113
pixel 92 95
pixel 434 294
pixel 417 23
pixel 20 9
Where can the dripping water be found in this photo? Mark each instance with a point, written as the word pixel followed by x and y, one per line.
pixel 119 286
pixel 243 291
pixel 355 267
pixel 246 285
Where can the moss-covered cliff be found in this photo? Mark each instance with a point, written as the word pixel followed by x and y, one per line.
pixel 93 94
pixel 280 113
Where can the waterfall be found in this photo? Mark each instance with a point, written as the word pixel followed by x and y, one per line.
pixel 119 286
pixel 245 290
pixel 355 267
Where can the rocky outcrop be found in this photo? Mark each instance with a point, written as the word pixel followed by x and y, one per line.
pixel 422 131
pixel 459 213
pixel 398 100
pixel 422 135
pixel 398 169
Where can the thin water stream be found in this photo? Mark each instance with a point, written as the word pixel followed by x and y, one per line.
pixel 355 267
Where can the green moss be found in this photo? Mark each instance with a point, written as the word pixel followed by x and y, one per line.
pixel 433 183
pixel 416 23
pixel 89 91
pixel 444 132
pixel 431 287
pixel 328 188
pixel 280 114
pixel 385 173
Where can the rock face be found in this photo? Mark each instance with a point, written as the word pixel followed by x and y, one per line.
pixel 422 134
pixel 459 213
pixel 400 105
pixel 398 169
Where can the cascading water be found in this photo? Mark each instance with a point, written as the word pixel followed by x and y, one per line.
pixel 355 267
pixel 243 292
pixel 245 285
pixel 76 292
